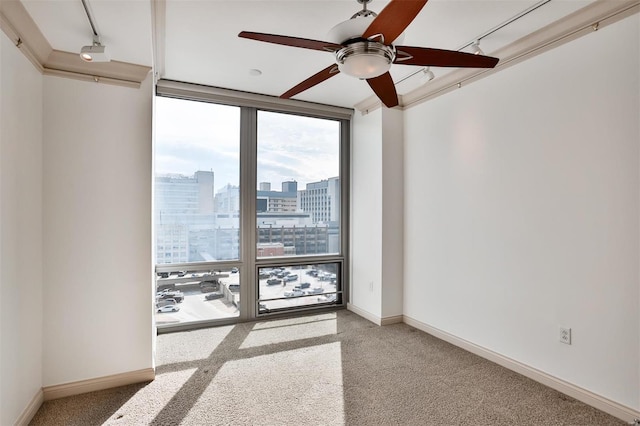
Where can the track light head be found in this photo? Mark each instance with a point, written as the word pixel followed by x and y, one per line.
pixel 475 48
pixel 427 75
pixel 94 53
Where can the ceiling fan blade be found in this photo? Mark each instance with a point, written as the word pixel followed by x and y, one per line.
pixel 385 89
pixel 426 57
pixel 305 43
pixel 317 78
pixel 394 19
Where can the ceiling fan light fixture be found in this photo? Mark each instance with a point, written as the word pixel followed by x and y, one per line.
pixel 365 59
pixel 364 66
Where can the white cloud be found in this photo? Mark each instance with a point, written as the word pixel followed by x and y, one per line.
pixel 193 136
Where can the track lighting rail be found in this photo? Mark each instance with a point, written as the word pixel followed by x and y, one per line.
pixel 93 25
pixel 489 32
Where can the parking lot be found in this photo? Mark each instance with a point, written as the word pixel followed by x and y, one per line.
pixel 195 307
pixel 320 287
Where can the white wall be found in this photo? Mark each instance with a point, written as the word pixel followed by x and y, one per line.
pixel 97 230
pixel 392 186
pixel 20 232
pixel 522 212
pixel 377 213
pixel 366 213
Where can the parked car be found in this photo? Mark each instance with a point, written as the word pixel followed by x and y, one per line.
pixel 234 287
pixel 264 275
pixel 302 286
pixel 178 296
pixel 294 293
pixel 290 278
pixel 213 296
pixel 234 270
pixel 274 281
pixel 168 308
pixel 315 290
pixel 165 302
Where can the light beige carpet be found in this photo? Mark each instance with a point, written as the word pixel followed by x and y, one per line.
pixel 325 369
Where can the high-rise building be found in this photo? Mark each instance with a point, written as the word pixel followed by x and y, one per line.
pixel 184 205
pixel 290 186
pixel 228 199
pixel 192 225
pixel 322 200
pixel 278 201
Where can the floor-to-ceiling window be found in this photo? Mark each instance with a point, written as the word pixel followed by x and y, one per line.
pixel 250 206
pixel 298 211
pixel 197 171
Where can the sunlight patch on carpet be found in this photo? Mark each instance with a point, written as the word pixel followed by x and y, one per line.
pixel 295 387
pixel 290 330
pixel 189 345
pixel 147 403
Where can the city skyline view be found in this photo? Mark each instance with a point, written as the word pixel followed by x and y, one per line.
pixel 192 136
pixel 198 208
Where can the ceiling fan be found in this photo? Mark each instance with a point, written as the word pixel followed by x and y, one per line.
pixel 363 48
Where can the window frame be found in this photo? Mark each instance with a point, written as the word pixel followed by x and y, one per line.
pixel 248 262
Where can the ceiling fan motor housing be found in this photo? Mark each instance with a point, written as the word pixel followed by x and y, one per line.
pixel 354 28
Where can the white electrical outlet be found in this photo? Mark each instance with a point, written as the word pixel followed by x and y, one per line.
pixel 565 335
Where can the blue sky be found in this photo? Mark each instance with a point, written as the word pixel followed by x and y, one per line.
pixel 193 136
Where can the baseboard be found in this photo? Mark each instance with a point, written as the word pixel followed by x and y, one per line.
pixel 601 403
pixel 395 319
pixel 364 314
pixel 31 409
pixel 100 383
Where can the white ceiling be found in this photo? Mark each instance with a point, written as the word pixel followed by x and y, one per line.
pixel 197 41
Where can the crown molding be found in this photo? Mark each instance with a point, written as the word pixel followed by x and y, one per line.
pixel 112 70
pixel 18 25
pixel 17 40
pixel 584 21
